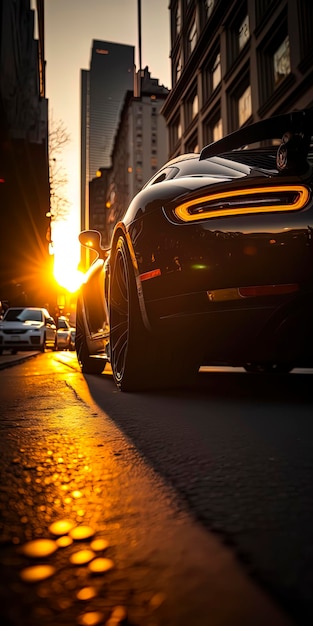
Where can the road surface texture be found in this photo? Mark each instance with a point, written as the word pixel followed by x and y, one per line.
pixel 134 475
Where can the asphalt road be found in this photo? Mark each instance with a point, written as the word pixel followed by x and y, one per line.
pixel 203 495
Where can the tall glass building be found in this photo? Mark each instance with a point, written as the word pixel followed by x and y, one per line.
pixel 103 89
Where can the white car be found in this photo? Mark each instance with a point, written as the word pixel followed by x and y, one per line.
pixel 27 328
pixel 65 334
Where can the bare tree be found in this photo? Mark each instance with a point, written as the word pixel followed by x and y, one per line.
pixel 58 139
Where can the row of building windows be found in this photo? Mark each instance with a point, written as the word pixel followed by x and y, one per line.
pixel 212 131
pixel 238 36
pixel 277 64
pixel 281 59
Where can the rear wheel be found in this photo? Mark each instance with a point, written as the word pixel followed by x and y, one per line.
pixel 87 364
pixel 139 359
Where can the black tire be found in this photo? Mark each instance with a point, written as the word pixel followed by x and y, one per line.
pixel 42 347
pixel 139 359
pixel 268 368
pixel 87 364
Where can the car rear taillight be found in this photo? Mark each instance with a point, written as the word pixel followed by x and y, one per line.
pixel 244 201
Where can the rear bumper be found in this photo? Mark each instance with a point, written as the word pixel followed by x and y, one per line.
pixel 255 329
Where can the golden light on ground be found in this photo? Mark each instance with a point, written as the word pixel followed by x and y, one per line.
pixel 66 250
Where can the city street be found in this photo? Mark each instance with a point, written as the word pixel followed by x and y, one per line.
pixel 185 508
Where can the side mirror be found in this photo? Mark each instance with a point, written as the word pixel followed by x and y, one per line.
pixel 92 239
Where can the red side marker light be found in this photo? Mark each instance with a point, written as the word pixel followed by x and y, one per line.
pixel 148 275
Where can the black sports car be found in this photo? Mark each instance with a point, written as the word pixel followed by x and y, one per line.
pixel 212 263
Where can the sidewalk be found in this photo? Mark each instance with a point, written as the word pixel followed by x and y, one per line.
pixel 8 360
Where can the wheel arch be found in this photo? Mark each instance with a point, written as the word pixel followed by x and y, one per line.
pixel 121 231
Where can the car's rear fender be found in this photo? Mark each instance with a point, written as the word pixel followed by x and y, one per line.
pixel 121 231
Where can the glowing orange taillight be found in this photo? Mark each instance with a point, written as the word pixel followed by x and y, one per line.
pixel 244 201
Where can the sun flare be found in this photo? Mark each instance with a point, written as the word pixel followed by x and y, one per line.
pixel 66 250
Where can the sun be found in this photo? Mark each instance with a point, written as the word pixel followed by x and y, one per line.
pixel 66 250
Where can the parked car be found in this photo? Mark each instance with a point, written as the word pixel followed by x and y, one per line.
pixel 212 263
pixel 65 334
pixel 27 328
pixel 73 337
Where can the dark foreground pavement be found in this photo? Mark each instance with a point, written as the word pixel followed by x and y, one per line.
pixel 141 559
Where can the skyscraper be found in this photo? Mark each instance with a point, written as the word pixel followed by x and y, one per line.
pixel 103 89
pixel 25 264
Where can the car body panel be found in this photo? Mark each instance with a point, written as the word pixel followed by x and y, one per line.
pixel 221 252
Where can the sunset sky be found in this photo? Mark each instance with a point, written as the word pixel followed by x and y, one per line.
pixel 70 27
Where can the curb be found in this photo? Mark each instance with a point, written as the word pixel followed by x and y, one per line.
pixel 11 360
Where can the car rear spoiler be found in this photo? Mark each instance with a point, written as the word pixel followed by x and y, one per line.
pixel 294 129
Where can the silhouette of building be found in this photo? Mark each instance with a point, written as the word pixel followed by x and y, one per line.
pixel 24 174
pixel 103 89
pixel 140 146
pixel 234 63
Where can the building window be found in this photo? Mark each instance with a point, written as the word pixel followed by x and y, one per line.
pixel 261 8
pixel 305 14
pixel 191 107
pixel 244 106
pixel 195 106
pixel 281 61
pixel 192 39
pixel 175 132
pixel 217 130
pixel 212 76
pixel 178 69
pixel 212 128
pixel 177 19
pixel 216 72
pixel 139 174
pixel 192 144
pixel 209 6
pixel 244 33
pixel 238 35
pixel 274 63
